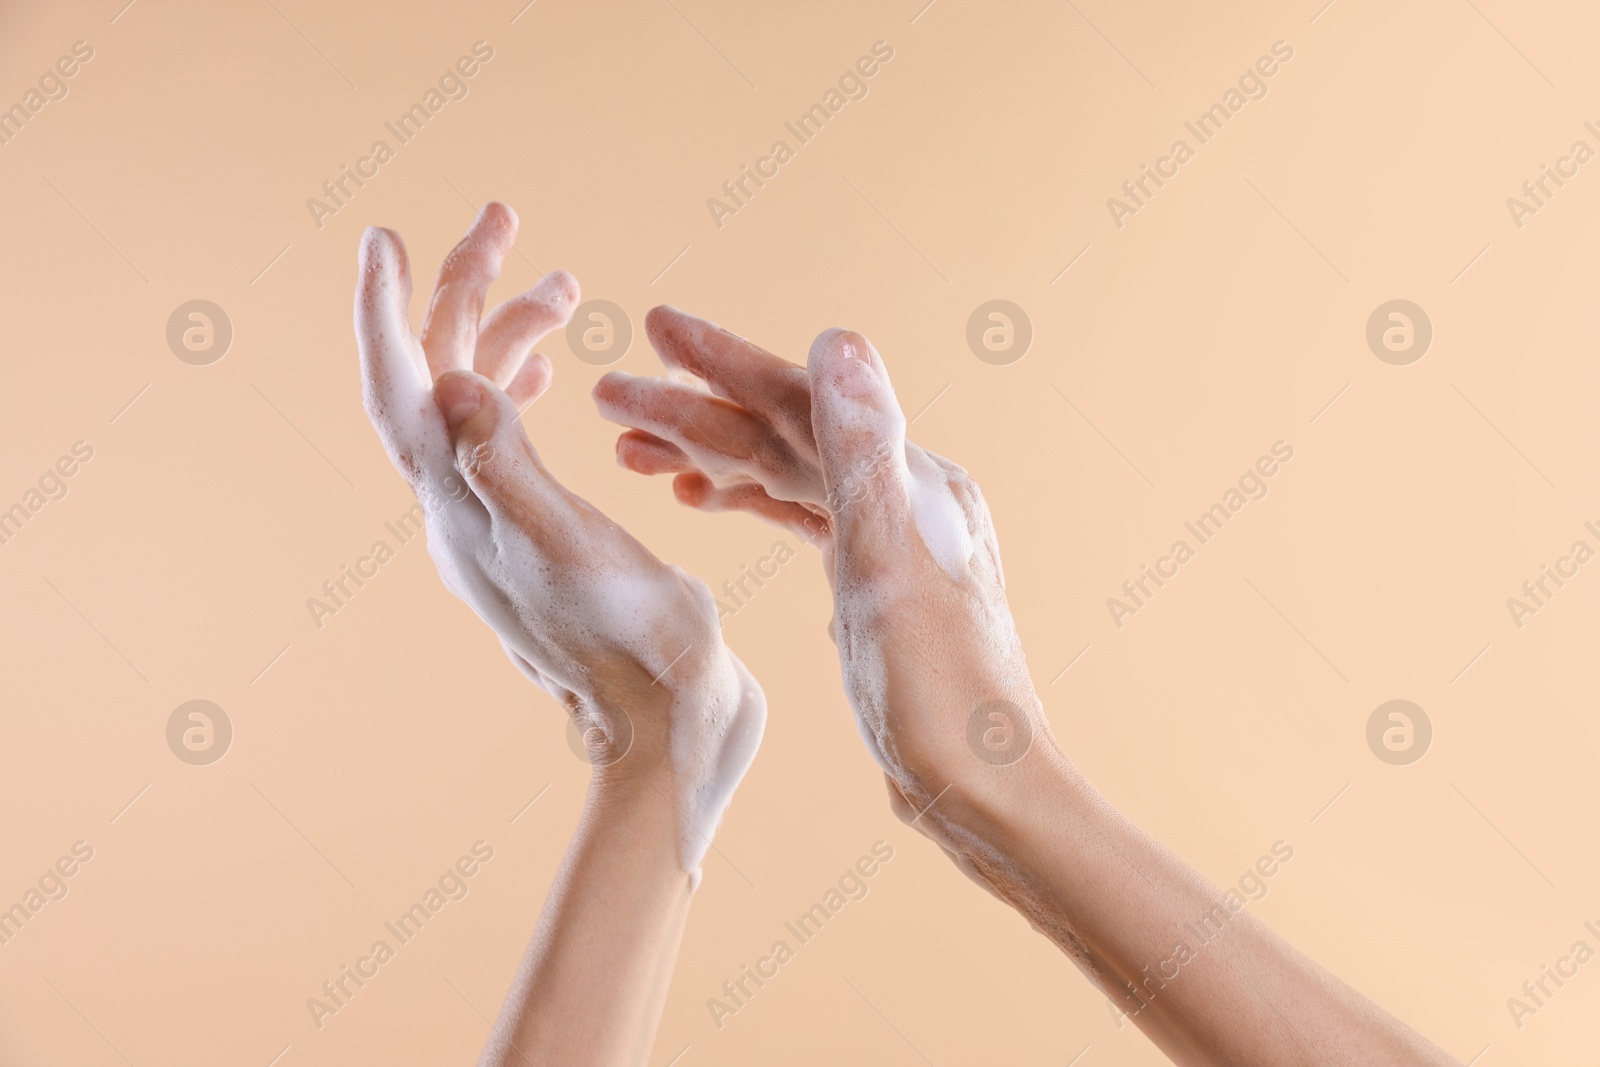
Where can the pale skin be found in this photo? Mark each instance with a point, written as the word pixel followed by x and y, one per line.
pixel 670 716
pixel 927 644
pixel 673 719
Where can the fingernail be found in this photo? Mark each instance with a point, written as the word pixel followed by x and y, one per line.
pixel 458 400
pixel 849 349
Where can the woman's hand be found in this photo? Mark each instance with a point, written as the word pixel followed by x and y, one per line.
pixel 936 675
pixel 629 645
pixel 932 664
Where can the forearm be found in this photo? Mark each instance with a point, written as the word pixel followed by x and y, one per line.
pixel 1207 982
pixel 592 983
pixel 938 680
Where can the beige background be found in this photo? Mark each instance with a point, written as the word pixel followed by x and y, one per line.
pixel 1225 316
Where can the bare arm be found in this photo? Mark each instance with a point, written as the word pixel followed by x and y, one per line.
pixel 1205 980
pixel 935 671
pixel 593 980
pixel 627 645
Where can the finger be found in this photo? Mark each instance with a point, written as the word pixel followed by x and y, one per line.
pixel 450 329
pixel 498 462
pixel 720 437
pixel 860 435
pixel 734 368
pixel 510 331
pixel 697 423
pixel 383 327
pixel 546 561
pixel 645 453
pixel 394 379
pixel 695 490
pixel 530 381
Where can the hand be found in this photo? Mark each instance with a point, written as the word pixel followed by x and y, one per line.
pixel 630 646
pixel 926 640
pixel 935 673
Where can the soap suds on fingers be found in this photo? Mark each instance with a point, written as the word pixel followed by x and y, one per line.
pixel 569 594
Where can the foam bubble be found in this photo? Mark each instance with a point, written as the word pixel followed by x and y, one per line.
pixel 554 608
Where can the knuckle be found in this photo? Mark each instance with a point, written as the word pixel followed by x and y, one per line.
pixel 474 459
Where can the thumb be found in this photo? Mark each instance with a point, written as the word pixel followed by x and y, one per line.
pixel 492 451
pixel 861 440
pixel 470 413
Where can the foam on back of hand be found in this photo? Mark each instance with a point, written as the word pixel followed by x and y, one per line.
pixel 581 586
pixel 566 599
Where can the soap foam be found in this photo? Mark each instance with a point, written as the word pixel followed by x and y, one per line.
pixel 878 600
pixel 553 607
pixel 942 523
pixel 557 607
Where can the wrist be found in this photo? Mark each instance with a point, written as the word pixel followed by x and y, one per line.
pixel 673 730
pixel 1012 802
pixel 635 814
pixel 986 739
pixel 995 817
pixel 691 744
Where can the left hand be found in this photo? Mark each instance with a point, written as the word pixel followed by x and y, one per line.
pixel 629 645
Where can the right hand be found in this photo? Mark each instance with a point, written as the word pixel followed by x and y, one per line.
pixel 926 640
